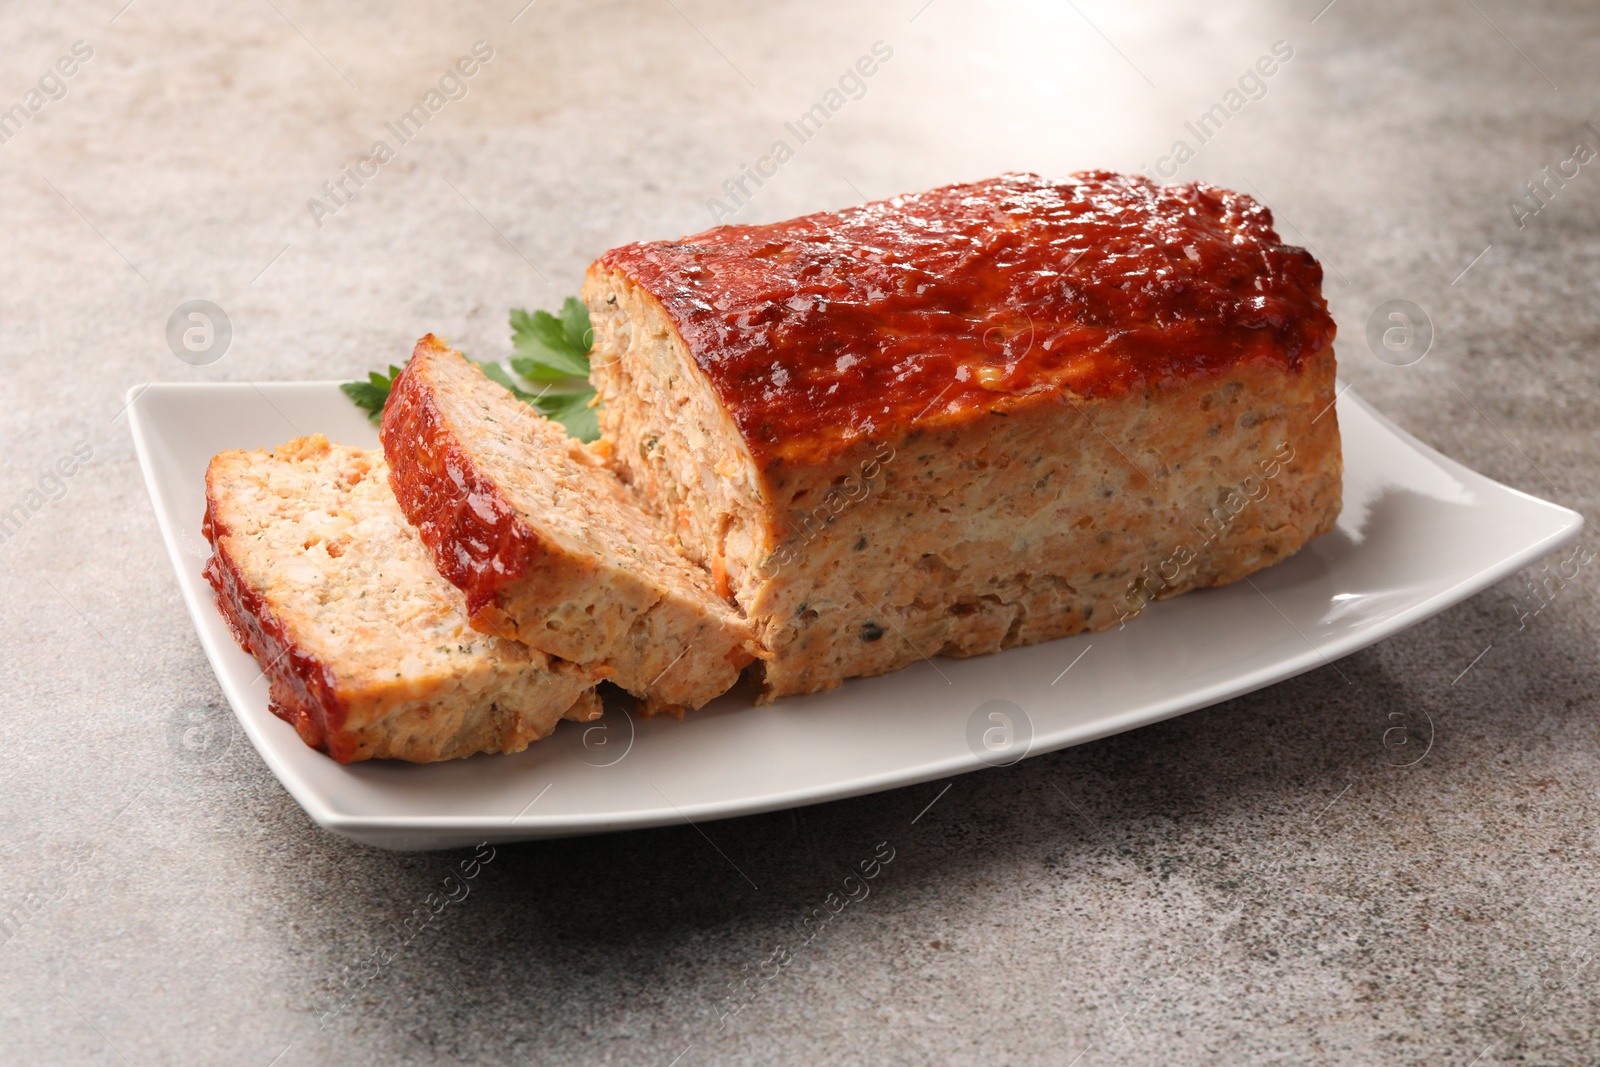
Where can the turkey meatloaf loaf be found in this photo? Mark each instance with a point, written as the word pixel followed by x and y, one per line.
pixel 547 544
pixel 366 649
pixel 977 417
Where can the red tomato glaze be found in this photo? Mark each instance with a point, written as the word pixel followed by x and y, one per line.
pixel 930 309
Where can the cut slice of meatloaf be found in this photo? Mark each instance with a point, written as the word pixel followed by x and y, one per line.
pixel 547 544
pixel 982 416
pixel 366 650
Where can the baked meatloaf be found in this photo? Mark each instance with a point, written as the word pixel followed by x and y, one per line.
pixel 977 417
pixel 366 649
pixel 547 544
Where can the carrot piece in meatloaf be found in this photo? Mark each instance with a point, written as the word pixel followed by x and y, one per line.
pixel 547 544
pixel 367 650
pixel 983 416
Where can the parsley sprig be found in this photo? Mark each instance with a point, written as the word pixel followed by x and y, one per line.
pixel 372 394
pixel 551 350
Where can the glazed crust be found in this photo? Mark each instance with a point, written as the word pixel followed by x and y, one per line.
pixel 929 310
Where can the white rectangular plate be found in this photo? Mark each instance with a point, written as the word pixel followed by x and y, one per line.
pixel 1419 533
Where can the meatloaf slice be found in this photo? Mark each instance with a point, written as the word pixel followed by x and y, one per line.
pixel 366 650
pixel 977 417
pixel 547 544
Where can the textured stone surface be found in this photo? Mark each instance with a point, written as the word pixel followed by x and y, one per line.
pixel 1253 883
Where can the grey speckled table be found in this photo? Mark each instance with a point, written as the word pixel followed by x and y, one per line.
pixel 1253 883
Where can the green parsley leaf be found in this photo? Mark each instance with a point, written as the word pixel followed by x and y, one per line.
pixel 548 348
pixel 575 320
pixel 555 349
pixel 372 394
pixel 572 410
